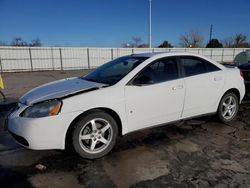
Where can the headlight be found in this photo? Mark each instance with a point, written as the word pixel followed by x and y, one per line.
pixel 47 108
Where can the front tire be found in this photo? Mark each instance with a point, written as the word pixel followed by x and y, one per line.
pixel 228 107
pixel 95 135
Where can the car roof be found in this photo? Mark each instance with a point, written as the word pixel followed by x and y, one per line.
pixel 151 54
pixel 175 53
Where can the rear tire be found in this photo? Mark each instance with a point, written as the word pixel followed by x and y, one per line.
pixel 95 135
pixel 228 107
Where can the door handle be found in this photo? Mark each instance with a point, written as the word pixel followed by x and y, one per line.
pixel 177 87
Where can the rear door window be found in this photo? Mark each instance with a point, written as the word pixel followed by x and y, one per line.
pixel 194 66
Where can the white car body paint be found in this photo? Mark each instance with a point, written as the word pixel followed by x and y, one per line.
pixel 138 107
pixel 56 89
pixel 154 104
pixel 206 90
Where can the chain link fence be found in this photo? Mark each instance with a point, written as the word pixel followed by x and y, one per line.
pixel 16 59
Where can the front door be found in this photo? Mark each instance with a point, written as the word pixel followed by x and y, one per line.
pixel 155 96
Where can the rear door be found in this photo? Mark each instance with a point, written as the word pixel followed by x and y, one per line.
pixel 155 95
pixel 204 83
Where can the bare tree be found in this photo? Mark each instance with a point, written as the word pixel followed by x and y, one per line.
pixel 35 42
pixel 3 43
pixel 126 45
pixel 135 43
pixel 18 41
pixel 228 42
pixel 240 40
pixel 192 39
pixel 143 45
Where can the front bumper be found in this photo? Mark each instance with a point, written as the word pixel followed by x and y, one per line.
pixel 40 133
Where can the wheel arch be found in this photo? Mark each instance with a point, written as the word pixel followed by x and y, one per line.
pixel 219 112
pixel 234 90
pixel 109 111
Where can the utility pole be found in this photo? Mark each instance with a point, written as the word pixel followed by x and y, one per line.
pixel 150 24
pixel 211 32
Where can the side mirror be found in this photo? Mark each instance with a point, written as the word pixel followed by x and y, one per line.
pixel 143 80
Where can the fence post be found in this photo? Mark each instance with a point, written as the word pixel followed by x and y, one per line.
pixel 132 50
pixel 60 50
pixel 88 58
pixel 112 53
pixel 1 67
pixel 211 53
pixel 222 55
pixel 233 54
pixel 31 63
pixel 52 58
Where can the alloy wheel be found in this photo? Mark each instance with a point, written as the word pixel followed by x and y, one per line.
pixel 229 107
pixel 95 136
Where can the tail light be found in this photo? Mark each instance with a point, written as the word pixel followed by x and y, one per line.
pixel 241 74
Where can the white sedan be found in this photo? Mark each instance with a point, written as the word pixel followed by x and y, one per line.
pixel 127 94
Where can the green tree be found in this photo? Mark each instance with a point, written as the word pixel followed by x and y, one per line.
pixel 165 44
pixel 214 43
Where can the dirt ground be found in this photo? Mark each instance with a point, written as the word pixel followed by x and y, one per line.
pixel 195 153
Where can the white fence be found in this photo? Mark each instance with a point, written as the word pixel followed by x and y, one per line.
pixel 44 58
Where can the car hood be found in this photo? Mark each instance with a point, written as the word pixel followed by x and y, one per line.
pixel 58 89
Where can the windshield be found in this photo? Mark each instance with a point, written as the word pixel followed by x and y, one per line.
pixel 112 72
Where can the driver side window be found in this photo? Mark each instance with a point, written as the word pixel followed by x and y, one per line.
pixel 159 71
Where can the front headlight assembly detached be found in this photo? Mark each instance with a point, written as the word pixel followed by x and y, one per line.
pixel 44 109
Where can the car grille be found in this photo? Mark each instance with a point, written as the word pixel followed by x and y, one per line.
pixel 246 75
